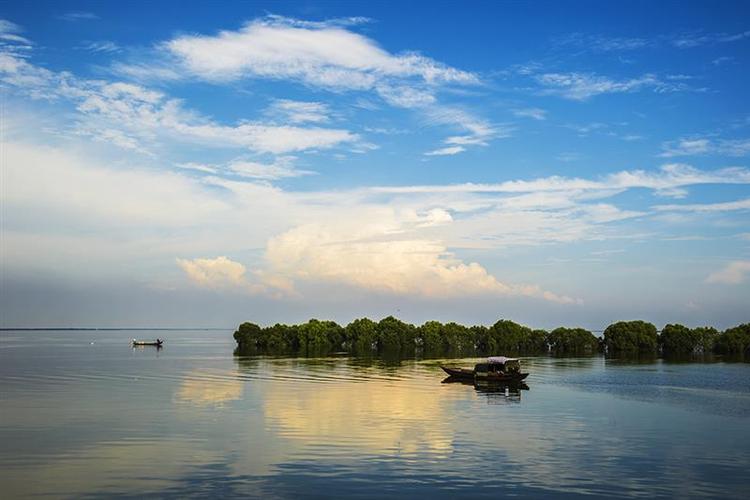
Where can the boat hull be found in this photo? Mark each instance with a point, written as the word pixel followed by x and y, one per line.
pixel 466 374
pixel 155 344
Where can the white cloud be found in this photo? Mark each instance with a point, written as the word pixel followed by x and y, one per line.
pixel 707 207
pixel 478 132
pixel 215 273
pixel 198 167
pixel 102 46
pixel 535 113
pixel 9 32
pixel 631 137
pixel 272 47
pixel 582 86
pixel 282 168
pixel 434 217
pixel 134 117
pixel 387 240
pixel 698 38
pixel 282 48
pixel 11 41
pixel 722 60
pixel 446 151
pixel 733 274
pixel 44 178
pixel 311 53
pixel 299 111
pixel 685 147
pixel 702 146
pixel 668 177
pixel 404 96
pixel 600 43
pixel 356 256
pixel 78 16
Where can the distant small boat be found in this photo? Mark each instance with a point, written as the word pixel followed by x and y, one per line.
pixel 495 369
pixel 157 342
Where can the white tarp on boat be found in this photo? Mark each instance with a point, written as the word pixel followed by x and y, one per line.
pixel 500 359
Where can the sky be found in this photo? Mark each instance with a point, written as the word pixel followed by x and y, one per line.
pixel 200 164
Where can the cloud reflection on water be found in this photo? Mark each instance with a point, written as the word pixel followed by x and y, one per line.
pixel 204 389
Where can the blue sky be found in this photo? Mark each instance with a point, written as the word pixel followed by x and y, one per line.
pixel 173 165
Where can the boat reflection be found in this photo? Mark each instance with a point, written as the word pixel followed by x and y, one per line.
pixel 496 392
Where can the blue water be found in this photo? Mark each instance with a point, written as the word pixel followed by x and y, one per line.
pixel 84 414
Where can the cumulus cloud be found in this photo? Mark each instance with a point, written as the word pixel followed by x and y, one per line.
pixel 733 273
pixel 395 240
pixel 218 272
pixel 221 273
pixel 359 257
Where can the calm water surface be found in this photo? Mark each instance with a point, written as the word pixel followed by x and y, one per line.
pixel 83 414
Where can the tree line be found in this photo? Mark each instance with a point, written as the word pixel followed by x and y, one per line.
pixel 504 337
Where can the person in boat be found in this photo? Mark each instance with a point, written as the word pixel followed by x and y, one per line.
pixel 494 368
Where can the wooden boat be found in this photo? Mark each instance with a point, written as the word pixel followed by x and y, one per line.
pixel 157 342
pixel 495 369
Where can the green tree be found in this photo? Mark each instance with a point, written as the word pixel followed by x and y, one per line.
pixel 734 340
pixel 457 338
pixel 678 339
pixel 536 343
pixel 706 336
pixel 320 336
pixel 278 338
pixel 395 335
pixel 430 336
pixel 248 335
pixel 362 335
pixel 572 341
pixel 506 336
pixel 631 336
pixel 482 341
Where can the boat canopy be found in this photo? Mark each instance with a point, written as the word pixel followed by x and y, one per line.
pixel 500 359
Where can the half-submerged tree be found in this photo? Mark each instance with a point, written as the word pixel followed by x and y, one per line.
pixel 572 341
pixel 248 335
pixel 361 335
pixel 631 337
pixel 678 339
pixel 734 340
pixel 393 336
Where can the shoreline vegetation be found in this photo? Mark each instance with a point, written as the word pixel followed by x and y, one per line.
pixel 393 336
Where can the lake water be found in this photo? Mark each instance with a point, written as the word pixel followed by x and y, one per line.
pixel 84 414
